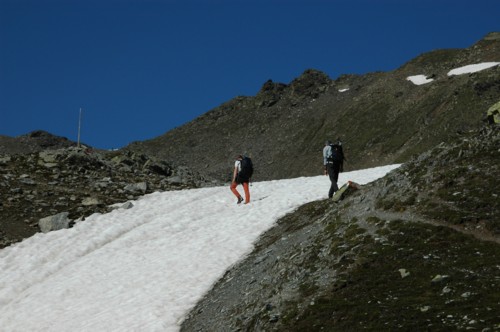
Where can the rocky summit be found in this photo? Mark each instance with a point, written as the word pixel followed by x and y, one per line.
pixel 55 188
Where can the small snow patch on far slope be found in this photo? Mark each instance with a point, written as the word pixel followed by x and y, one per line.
pixel 472 68
pixel 419 79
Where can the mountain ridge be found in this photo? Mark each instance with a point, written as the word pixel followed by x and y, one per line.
pixel 382 117
pixel 34 141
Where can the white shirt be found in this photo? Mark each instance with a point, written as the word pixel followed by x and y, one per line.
pixel 237 165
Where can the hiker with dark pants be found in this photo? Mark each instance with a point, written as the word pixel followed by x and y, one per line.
pixel 333 159
pixel 241 175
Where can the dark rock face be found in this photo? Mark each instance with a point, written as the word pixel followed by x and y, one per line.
pixel 382 117
pixel 50 189
pixel 416 250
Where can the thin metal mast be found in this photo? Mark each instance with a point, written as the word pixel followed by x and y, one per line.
pixel 79 126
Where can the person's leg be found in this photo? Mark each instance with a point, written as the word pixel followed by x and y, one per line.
pixel 329 168
pixel 336 171
pixel 235 191
pixel 247 192
pixel 333 174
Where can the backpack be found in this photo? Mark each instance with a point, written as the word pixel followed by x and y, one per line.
pixel 246 171
pixel 337 153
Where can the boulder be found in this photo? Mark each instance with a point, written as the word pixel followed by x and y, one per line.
pixel 48 156
pixel 54 223
pixel 4 160
pixel 137 187
pixel 124 206
pixel 90 201
pixel 493 114
pixel 345 190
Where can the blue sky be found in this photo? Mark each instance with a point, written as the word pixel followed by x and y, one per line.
pixel 141 68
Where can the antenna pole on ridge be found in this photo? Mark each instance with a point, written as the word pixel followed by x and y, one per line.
pixel 79 126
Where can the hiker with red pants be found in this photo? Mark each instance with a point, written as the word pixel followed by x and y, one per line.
pixel 242 173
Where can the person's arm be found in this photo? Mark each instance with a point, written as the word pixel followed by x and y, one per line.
pixel 325 154
pixel 235 173
pixel 327 150
pixel 236 169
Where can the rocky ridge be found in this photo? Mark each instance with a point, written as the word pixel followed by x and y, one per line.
pixel 382 117
pixel 35 141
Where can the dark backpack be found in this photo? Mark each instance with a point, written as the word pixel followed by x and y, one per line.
pixel 337 153
pixel 246 171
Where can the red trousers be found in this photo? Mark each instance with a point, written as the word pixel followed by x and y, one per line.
pixel 245 188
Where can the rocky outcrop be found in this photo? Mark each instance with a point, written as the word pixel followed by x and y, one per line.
pixel 50 189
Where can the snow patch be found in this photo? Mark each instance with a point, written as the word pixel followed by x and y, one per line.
pixel 472 68
pixel 419 79
pixel 144 268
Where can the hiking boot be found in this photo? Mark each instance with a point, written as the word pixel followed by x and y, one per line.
pixel 240 199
